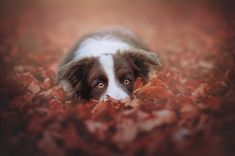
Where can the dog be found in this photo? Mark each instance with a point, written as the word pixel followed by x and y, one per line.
pixel 105 65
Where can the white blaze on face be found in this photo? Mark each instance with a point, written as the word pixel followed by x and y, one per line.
pixel 113 89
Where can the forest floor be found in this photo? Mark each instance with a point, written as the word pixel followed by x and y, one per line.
pixel 188 108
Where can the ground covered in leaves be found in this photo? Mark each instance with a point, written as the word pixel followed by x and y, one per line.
pixel 187 108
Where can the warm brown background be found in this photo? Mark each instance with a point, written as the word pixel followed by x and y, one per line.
pixel 171 27
pixel 194 39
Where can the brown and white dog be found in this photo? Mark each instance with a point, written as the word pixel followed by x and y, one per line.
pixel 106 64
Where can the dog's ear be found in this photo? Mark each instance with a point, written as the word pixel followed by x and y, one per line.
pixel 143 62
pixel 72 77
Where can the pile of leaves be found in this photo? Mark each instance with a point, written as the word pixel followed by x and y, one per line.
pixel 166 116
pixel 187 107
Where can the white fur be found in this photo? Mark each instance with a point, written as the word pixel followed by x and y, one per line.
pixel 97 46
pixel 113 89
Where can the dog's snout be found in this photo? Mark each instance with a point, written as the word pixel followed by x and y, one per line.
pixel 118 95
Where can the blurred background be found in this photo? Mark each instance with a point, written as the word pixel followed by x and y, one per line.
pixel 195 40
pixel 38 33
pixel 48 28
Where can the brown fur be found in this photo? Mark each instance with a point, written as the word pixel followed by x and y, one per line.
pixel 142 62
pixel 83 76
pixel 75 72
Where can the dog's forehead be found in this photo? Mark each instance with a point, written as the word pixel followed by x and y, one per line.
pixel 101 67
pixel 95 70
pixel 113 62
pixel 120 62
pixel 107 63
pixel 106 58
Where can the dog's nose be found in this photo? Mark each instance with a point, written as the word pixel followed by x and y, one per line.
pixel 117 95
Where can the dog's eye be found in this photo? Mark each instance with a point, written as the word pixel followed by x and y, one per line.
pixel 100 85
pixel 126 82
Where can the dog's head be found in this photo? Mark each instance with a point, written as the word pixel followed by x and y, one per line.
pixel 107 75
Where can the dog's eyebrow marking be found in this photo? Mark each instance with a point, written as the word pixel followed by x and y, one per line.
pixel 99 46
pixel 113 90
